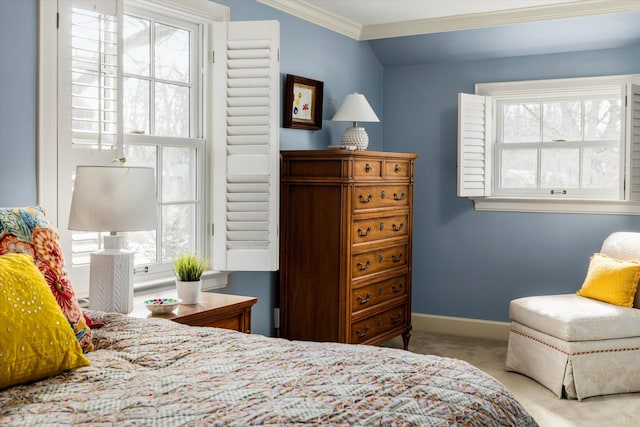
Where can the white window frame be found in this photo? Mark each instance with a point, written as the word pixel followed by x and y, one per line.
pixel 215 129
pixel 477 155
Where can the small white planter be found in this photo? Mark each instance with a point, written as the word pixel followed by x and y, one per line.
pixel 188 292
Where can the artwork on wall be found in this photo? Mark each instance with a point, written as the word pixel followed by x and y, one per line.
pixel 303 103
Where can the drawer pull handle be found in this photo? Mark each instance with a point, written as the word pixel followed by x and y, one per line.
pixel 367 168
pixel 396 319
pixel 398 228
pixel 367 200
pixel 396 258
pixel 383 195
pixel 363 267
pixel 396 289
pixel 365 299
pixel 380 290
pixel 364 233
pixel 382 226
pixel 362 334
pixel 379 321
pixel 398 198
pixel 396 169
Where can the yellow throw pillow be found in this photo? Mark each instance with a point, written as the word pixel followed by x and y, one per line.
pixel 611 280
pixel 36 339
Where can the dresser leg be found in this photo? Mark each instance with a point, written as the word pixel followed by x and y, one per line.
pixel 405 340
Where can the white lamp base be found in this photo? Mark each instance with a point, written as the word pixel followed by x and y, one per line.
pixel 111 280
pixel 355 137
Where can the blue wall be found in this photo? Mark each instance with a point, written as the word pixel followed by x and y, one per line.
pixel 468 263
pixel 18 53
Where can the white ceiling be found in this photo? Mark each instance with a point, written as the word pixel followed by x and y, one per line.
pixel 379 19
pixel 372 12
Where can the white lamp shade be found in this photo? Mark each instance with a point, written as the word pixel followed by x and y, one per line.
pixel 113 199
pixel 355 108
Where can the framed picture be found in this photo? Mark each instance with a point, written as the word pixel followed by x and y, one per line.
pixel 302 103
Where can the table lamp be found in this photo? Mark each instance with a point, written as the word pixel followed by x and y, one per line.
pixel 113 199
pixel 355 108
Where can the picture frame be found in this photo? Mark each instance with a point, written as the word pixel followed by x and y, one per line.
pixel 302 103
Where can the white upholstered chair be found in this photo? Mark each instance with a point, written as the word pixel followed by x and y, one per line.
pixel 578 347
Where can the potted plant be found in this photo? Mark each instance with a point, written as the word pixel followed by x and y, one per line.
pixel 188 269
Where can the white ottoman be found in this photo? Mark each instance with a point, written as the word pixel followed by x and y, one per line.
pixel 575 346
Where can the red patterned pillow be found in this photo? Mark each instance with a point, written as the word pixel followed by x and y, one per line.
pixel 27 230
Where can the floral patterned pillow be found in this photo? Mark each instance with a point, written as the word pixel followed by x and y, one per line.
pixel 27 230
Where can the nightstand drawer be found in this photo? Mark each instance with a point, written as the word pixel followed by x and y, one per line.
pixel 378 260
pixel 378 324
pixel 377 293
pixel 367 230
pixel 380 196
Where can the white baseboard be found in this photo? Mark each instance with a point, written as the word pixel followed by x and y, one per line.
pixel 476 328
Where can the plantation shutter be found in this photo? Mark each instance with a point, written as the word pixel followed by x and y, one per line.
pixel 474 177
pixel 633 140
pixel 89 107
pixel 246 158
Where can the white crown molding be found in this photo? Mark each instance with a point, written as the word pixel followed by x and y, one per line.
pixel 312 13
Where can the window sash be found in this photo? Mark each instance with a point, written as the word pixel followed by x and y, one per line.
pixel 196 235
pixel 540 97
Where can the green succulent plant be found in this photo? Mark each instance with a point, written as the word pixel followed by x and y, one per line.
pixel 189 267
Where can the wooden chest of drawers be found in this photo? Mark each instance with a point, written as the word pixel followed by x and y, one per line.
pixel 345 245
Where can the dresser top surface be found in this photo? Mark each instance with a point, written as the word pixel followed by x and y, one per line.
pixel 335 152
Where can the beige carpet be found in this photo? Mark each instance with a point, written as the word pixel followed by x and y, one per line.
pixel 619 410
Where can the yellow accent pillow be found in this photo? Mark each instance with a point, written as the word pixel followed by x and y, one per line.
pixel 611 280
pixel 36 339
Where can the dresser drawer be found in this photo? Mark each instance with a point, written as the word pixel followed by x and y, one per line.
pixel 378 324
pixel 370 229
pixel 378 260
pixel 397 169
pixel 367 169
pixel 380 196
pixel 377 293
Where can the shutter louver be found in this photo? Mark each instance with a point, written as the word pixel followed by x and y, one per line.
pixel 473 156
pixel 633 138
pixel 252 175
pixel 94 75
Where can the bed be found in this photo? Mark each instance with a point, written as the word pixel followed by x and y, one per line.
pixel 61 365
pixel 156 372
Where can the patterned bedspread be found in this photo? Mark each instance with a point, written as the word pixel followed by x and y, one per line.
pixel 159 373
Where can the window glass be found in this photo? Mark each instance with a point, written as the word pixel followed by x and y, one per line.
pixel 137 46
pixel 179 174
pixel 137 99
pixel 602 119
pixel 171 107
pixel 562 121
pixel 178 234
pixel 172 58
pixel 601 167
pixel 559 168
pixel 521 122
pixel 519 169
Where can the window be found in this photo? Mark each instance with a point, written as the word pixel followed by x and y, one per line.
pixel 135 79
pixel 561 146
